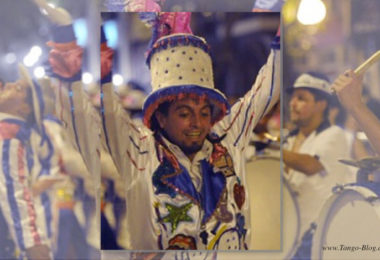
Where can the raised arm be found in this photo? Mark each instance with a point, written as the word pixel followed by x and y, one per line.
pixel 348 87
pixel 265 92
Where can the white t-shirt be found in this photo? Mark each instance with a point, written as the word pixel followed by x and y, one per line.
pixel 328 146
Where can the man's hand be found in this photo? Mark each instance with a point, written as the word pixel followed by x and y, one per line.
pixel 348 87
pixel 38 252
pixel 56 15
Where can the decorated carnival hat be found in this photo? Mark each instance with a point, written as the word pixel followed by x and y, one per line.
pixel 181 66
pixel 37 100
pixel 312 81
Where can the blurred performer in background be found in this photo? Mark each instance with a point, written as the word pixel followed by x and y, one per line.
pixel 74 130
pixel 312 150
pixel 185 182
pixel 21 139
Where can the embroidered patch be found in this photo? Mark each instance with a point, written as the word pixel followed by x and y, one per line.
pixel 163 169
pixel 239 195
pixel 177 214
pixel 228 240
pixel 222 213
pixel 182 242
pixel 240 225
pixel 222 160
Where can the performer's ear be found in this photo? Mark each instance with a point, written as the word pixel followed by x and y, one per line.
pixel 161 119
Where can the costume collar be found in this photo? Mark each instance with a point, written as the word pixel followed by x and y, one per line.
pixel 171 177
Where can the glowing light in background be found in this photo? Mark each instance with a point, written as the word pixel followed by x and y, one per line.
pixel 311 12
pixel 110 30
pixel 10 58
pixel 39 72
pixel 33 56
pixel 29 60
pixel 36 51
pixel 117 79
pixel 87 78
pixel 80 30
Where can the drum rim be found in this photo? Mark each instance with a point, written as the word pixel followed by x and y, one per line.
pixel 293 247
pixel 329 210
pixel 263 157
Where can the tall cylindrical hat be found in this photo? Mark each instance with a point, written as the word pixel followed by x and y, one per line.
pixel 181 66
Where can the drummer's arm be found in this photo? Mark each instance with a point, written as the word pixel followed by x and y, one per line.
pixel 305 163
pixel 348 87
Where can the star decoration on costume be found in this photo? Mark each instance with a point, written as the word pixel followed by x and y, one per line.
pixel 177 214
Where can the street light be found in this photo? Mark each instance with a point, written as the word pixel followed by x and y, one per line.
pixel 311 12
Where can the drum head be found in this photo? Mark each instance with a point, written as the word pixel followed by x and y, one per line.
pixel 263 176
pixel 348 226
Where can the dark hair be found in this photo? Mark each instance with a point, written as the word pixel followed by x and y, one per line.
pixel 319 94
pixel 162 108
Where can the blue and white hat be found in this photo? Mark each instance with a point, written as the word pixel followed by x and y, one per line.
pixel 181 65
pixel 307 80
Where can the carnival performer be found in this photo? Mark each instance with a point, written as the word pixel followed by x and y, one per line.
pixel 185 170
pixel 311 152
pixel 80 129
pixel 21 138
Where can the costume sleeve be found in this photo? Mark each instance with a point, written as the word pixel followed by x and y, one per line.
pixel 130 145
pixel 65 60
pixel 264 94
pixel 16 195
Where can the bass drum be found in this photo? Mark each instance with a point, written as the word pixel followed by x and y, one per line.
pixel 348 226
pixel 265 189
pixel 263 177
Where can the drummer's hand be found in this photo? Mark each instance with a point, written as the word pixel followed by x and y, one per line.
pixel 56 15
pixel 348 87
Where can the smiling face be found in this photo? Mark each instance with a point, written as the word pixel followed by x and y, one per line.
pixel 187 123
pixel 14 98
pixel 304 108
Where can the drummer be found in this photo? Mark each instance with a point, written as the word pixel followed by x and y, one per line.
pixel 311 151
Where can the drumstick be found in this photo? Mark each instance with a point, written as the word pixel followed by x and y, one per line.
pixel 365 65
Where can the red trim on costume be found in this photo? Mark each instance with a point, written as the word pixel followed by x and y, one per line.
pixel 236 116
pixel 249 123
pixel 8 130
pixel 133 162
pixel 27 196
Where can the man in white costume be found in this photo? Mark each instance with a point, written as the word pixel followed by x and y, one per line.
pixel 185 175
pixel 22 156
